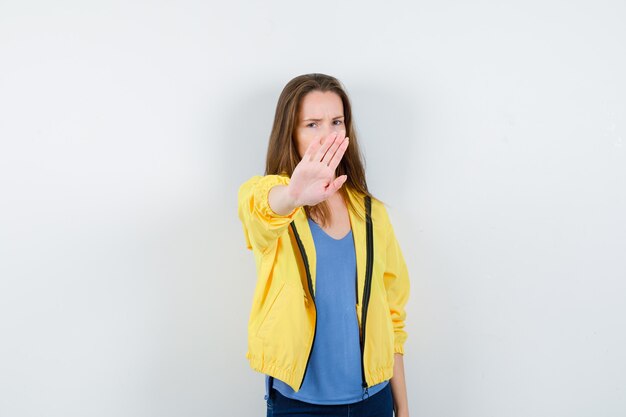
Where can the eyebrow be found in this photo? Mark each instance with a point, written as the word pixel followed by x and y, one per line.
pixel 317 120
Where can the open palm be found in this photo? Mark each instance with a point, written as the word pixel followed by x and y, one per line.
pixel 312 181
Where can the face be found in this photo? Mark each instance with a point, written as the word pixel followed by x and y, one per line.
pixel 321 113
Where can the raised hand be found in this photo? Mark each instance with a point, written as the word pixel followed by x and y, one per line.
pixel 313 180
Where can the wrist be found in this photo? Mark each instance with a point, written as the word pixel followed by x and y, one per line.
pixel 292 197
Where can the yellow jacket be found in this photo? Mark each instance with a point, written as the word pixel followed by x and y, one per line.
pixel 282 322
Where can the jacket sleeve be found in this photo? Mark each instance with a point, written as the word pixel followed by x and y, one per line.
pixel 261 226
pixel 397 285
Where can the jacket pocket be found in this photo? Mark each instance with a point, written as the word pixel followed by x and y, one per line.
pixel 385 327
pixel 285 319
pixel 382 295
pixel 287 330
pixel 268 307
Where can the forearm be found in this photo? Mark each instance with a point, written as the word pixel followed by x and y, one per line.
pixel 280 200
pixel 398 387
pixel 262 226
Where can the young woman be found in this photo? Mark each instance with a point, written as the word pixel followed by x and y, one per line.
pixel 328 313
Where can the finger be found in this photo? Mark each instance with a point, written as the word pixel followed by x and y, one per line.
pixel 334 162
pixel 336 184
pixel 331 151
pixel 328 141
pixel 341 180
pixel 311 149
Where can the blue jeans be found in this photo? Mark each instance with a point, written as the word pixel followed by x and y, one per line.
pixel 378 405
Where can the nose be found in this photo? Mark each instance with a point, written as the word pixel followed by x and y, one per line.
pixel 328 129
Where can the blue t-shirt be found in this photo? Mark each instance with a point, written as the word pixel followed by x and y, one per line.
pixel 333 375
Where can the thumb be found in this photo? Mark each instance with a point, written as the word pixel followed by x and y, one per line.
pixel 339 181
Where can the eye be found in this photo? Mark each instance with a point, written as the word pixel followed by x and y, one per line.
pixel 338 122
pixel 310 124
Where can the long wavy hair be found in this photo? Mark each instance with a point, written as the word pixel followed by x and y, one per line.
pixel 282 151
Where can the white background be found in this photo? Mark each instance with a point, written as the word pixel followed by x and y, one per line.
pixel 494 130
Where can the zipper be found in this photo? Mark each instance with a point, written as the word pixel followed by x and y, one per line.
pixel 368 285
pixel 366 291
pixel 305 259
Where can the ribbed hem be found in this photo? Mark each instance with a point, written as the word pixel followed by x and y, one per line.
pixel 381 375
pixel 287 375
pixel 290 376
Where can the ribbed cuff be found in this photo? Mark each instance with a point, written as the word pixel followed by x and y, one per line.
pixel 261 195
